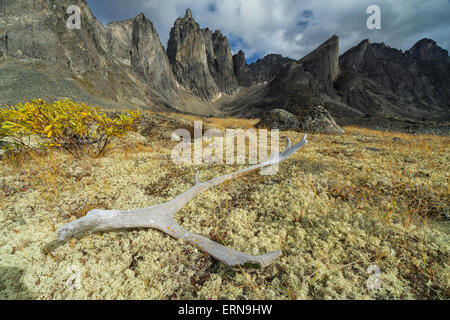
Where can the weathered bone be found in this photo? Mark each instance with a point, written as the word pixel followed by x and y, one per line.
pixel 162 217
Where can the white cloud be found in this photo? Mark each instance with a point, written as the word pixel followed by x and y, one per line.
pixel 294 27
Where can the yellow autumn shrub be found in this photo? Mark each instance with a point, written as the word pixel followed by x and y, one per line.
pixel 77 128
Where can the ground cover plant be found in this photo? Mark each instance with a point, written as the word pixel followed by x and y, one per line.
pixel 342 205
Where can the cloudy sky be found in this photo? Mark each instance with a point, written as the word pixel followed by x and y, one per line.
pixel 293 28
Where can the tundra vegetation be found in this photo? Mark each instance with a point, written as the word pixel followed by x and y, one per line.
pixel 343 204
pixel 71 126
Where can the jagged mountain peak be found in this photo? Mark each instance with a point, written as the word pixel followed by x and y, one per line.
pixel 188 14
pixel 427 49
pixel 188 21
pixel 324 61
pixel 218 33
pixel 330 46
pixel 272 58
pixel 260 71
pixel 425 42
pixel 302 84
pixel 201 60
pixel 367 50
pixel 140 16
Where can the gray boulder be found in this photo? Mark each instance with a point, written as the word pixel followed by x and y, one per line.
pixel 278 119
pixel 319 120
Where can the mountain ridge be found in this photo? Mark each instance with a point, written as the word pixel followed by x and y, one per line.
pixel 125 64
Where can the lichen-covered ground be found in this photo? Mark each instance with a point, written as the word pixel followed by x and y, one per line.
pixel 336 208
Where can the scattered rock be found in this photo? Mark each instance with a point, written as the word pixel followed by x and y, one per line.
pixel 278 119
pixel 396 139
pixel 319 120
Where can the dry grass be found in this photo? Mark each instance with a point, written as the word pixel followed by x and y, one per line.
pixel 338 207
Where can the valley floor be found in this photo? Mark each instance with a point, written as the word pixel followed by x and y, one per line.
pixel 340 206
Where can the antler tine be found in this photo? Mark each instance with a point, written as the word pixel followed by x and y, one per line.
pixel 288 144
pixel 293 149
pixel 196 179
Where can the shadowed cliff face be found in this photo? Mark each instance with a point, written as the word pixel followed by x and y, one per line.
pixel 37 30
pixel 136 43
pixel 298 85
pixel 221 64
pixel 378 79
pixel 187 52
pixel 125 61
pixel 242 70
pixel 260 71
pixel 201 60
pixel 301 84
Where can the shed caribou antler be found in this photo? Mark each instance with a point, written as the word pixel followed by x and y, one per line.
pixel 162 217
